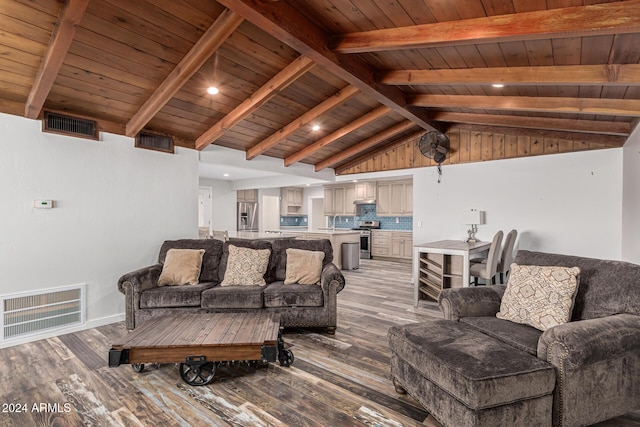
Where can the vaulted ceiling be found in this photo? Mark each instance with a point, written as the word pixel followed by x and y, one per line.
pixel 370 74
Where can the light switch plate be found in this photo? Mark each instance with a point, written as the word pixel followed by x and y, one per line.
pixel 42 204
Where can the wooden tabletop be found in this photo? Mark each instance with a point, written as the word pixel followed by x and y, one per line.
pixel 204 330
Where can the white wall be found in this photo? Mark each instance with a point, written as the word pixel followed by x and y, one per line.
pixel 565 203
pixel 223 206
pixel 114 205
pixel 631 199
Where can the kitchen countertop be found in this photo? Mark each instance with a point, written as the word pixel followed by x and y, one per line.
pixel 328 231
pixel 257 235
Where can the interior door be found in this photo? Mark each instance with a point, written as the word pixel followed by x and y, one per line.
pixel 270 213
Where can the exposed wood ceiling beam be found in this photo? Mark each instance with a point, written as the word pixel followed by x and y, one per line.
pixel 285 23
pixel 601 75
pixel 611 107
pixel 65 29
pixel 284 78
pixel 354 150
pixel 302 121
pixel 607 18
pixel 210 41
pixel 569 125
pixel 334 136
pixel 412 137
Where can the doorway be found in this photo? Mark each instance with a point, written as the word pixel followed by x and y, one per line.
pixel 204 210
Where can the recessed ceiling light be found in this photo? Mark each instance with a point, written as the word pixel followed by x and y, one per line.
pixel 225 174
pixel 315 128
pixel 212 90
pixel 498 85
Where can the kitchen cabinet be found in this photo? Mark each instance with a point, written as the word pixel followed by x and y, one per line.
pixel 291 201
pixel 365 190
pixel 395 198
pixel 392 244
pixel 401 245
pixel 338 200
pixel 247 195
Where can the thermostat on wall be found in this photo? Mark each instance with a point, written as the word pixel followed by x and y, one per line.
pixel 43 204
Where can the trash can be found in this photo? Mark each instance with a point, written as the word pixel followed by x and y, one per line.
pixel 350 255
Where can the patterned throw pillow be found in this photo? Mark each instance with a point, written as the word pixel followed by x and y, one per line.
pixel 246 266
pixel 181 267
pixel 303 267
pixel 541 297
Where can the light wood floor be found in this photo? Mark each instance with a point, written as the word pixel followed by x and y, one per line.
pixel 340 380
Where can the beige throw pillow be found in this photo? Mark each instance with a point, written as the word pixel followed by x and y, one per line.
pixel 303 267
pixel 246 266
pixel 181 267
pixel 541 297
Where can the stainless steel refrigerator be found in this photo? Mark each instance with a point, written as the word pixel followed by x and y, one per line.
pixel 247 216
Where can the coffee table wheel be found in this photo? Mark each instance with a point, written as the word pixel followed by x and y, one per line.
pixel 198 374
pixel 137 367
pixel 285 357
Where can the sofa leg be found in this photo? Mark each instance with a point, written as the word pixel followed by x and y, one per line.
pixel 398 386
pixel 331 330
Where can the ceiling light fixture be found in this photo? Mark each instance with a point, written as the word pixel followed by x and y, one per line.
pixel 498 85
pixel 315 128
pixel 212 90
pixel 225 174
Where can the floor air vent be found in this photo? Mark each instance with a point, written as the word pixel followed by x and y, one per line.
pixel 68 125
pixel 31 313
pixel 156 142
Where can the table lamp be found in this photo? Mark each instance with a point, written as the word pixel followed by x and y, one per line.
pixel 473 218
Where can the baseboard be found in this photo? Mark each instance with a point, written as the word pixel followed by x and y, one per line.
pixel 94 323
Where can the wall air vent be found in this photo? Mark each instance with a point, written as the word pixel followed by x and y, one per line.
pixel 156 142
pixel 68 125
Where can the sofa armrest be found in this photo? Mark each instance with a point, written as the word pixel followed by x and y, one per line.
pixel 330 273
pixel 132 284
pixel 457 303
pixel 585 342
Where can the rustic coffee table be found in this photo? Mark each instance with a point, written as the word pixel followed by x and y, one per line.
pixel 199 342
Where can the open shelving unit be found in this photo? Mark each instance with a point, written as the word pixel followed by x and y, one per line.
pixel 438 271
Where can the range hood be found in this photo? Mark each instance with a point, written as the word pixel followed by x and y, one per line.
pixel 365 202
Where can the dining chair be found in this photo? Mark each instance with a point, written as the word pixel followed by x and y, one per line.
pixel 487 269
pixel 504 263
pixel 221 235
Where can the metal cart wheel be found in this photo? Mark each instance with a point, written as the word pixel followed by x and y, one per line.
pixel 197 372
pixel 137 367
pixel 285 357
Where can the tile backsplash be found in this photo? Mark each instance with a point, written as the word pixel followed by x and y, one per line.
pixel 368 213
pixel 292 221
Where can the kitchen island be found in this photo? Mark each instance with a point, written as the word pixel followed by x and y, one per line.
pixel 259 235
pixel 337 238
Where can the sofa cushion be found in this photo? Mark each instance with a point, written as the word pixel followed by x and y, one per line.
pixel 233 297
pixel 280 247
pixel 606 288
pixel 251 244
pixel 540 296
pixel 522 337
pixel 181 267
pixel 476 369
pixel 174 296
pixel 210 259
pixel 277 294
pixel 246 267
pixel 303 267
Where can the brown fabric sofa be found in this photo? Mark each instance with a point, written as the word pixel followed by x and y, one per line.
pixel 298 305
pixel 595 356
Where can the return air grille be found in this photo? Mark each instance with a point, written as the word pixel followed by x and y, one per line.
pixel 156 142
pixel 67 125
pixel 30 313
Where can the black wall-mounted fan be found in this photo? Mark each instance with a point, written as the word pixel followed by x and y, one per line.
pixel 434 145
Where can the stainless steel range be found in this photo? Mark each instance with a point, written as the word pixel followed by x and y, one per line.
pixel 365 228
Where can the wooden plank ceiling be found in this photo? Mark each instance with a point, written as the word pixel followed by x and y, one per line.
pixel 373 75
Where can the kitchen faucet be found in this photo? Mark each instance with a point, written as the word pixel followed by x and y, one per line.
pixel 334 222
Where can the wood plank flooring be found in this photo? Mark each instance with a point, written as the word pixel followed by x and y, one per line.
pixel 340 380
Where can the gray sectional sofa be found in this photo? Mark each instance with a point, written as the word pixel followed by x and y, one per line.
pixel 298 305
pixel 474 369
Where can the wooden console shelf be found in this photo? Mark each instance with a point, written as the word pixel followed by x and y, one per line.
pixel 441 265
